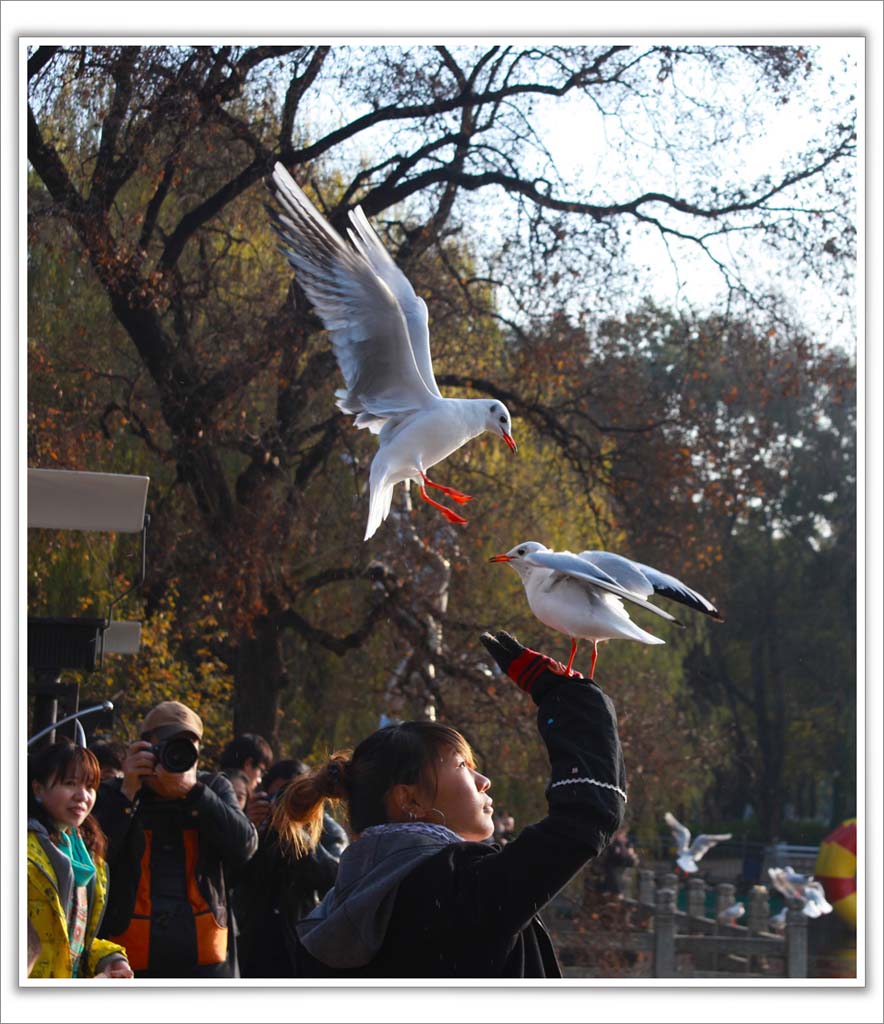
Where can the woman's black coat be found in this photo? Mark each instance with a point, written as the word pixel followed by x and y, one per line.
pixel 471 910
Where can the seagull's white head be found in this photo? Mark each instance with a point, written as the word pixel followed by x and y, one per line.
pixel 516 556
pixel 497 420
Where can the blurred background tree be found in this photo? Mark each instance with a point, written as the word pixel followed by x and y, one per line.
pixel 165 337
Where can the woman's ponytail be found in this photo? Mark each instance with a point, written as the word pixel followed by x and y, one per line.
pixel 297 815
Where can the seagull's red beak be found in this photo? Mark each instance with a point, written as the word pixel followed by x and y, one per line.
pixel 511 444
pixel 500 558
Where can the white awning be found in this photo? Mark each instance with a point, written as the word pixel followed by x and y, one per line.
pixel 62 499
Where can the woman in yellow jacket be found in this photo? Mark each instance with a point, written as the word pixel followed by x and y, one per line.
pixel 67 873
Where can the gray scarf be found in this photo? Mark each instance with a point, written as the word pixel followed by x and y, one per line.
pixel 349 925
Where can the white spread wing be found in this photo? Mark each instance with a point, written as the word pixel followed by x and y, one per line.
pixel 568 564
pixel 645 580
pixel 815 894
pixel 364 237
pixel 703 844
pixel 366 323
pixel 782 883
pixel 680 834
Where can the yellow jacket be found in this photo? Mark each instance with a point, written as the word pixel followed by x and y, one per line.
pixel 49 876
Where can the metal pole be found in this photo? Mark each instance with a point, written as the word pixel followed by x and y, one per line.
pixel 75 717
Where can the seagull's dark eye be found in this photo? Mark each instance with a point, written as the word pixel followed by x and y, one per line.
pixel 521 551
pixel 503 419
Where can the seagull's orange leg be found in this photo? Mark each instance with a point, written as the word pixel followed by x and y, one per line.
pixel 452 517
pixel 457 496
pixel 595 654
pixel 571 659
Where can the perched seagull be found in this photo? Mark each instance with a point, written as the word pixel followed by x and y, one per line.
pixel 582 595
pixel 777 923
pixel 380 336
pixel 730 915
pixel 688 852
pixel 804 888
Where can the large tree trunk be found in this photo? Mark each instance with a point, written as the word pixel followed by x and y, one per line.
pixel 259 675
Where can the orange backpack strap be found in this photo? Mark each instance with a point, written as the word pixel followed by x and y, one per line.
pixel 136 937
pixel 211 937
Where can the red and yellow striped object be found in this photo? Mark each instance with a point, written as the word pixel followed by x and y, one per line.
pixel 836 869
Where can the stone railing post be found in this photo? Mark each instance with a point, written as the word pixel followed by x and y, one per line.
pixel 646 887
pixel 796 941
pixel 724 897
pixel 664 934
pixel 759 909
pixel 697 909
pixel 696 899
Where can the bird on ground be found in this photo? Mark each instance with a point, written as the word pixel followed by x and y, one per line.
pixel 379 332
pixel 804 888
pixel 582 595
pixel 730 915
pixel 689 853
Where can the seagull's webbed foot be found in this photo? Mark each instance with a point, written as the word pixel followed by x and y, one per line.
pixel 452 517
pixel 457 496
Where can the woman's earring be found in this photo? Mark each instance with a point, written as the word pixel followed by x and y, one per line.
pixel 411 815
pixel 435 810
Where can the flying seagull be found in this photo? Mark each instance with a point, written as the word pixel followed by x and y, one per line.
pixel 380 336
pixel 804 888
pixel 689 853
pixel 582 595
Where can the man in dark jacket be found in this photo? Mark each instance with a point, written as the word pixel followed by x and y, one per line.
pixel 174 836
pixel 274 890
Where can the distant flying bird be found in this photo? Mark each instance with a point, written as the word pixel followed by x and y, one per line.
pixel 804 888
pixel 730 915
pixel 582 595
pixel 689 853
pixel 380 336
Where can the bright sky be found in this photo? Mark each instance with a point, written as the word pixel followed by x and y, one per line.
pixel 577 136
pixel 581 142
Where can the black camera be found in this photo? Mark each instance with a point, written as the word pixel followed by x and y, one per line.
pixel 177 755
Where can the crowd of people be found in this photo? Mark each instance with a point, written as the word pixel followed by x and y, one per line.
pixel 142 864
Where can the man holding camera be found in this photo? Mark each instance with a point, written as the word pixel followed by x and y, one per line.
pixel 175 834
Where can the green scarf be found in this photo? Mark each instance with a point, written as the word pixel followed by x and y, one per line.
pixel 73 847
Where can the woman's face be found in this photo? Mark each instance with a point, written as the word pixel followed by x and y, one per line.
pixel 461 795
pixel 67 799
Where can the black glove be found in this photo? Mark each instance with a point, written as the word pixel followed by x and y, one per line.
pixel 531 671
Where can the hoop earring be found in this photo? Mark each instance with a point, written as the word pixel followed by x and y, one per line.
pixel 411 815
pixel 435 810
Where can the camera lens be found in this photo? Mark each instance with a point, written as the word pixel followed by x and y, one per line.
pixel 178 755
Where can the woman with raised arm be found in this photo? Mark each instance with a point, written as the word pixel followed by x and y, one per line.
pixel 420 893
